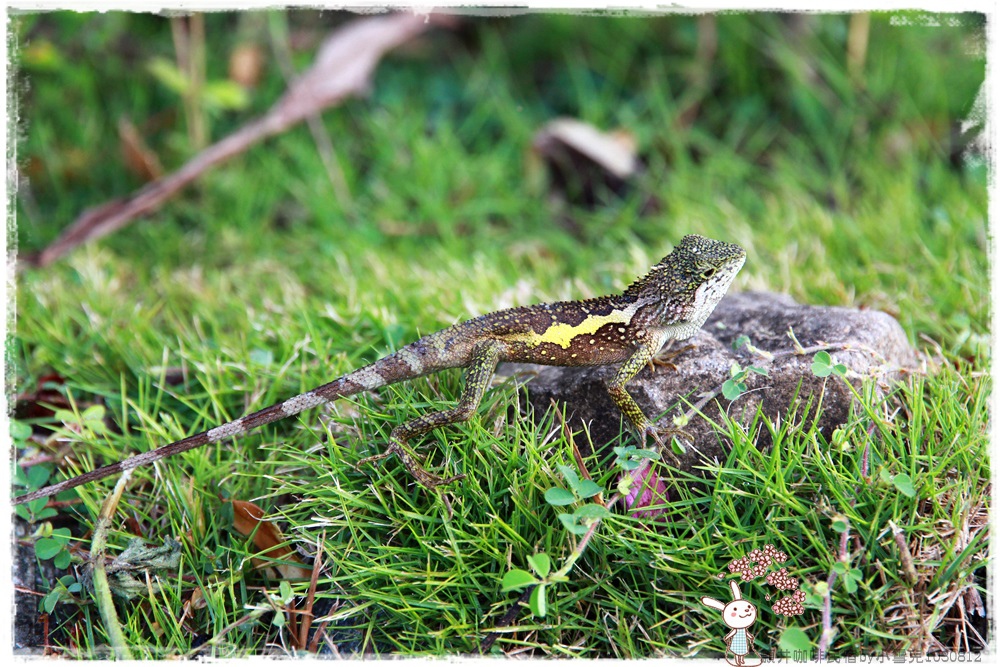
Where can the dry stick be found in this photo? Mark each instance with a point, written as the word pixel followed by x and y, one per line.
pixel 343 67
pixel 827 634
pixel 904 554
pixel 309 616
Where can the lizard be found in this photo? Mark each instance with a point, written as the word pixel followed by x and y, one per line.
pixel 670 302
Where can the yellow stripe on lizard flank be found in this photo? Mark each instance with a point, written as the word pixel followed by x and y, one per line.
pixel 563 334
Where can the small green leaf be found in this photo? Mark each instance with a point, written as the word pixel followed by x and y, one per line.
pixel 851 585
pixel 285 589
pixel 677 447
pixel 36 506
pixel 840 369
pixel 840 568
pixel 592 511
pixel 589 488
pixel 623 486
pixel 541 564
pixel 559 497
pixel 168 74
pixel 732 389
pixel 51 599
pixel 62 559
pixel 572 479
pixel 537 601
pixel 93 413
pixel 42 55
pixel 904 484
pixel 225 95
pixel 840 523
pixel 757 369
pixel 650 454
pixel 37 476
pixel 822 365
pixel 821 370
pixel 795 639
pixel 516 580
pixel 569 522
pixel 48 547
pixel 740 341
pixel 19 431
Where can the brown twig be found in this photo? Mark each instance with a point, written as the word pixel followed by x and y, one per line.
pixel 311 595
pixel 827 635
pixel 343 68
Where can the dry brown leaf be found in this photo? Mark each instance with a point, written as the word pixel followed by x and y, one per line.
pixel 246 63
pixel 612 151
pixel 138 157
pixel 248 519
pixel 343 68
pixel 582 161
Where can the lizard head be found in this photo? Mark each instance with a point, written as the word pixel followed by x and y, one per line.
pixel 683 289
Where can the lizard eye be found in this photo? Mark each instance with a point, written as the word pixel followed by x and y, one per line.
pixel 708 273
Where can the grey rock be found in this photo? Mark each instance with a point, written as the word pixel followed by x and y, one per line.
pixel 869 343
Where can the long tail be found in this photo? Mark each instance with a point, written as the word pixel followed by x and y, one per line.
pixel 408 363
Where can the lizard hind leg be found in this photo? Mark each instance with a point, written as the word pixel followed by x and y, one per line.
pixel 477 380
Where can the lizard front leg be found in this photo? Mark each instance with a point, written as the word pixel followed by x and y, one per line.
pixel 477 380
pixel 616 388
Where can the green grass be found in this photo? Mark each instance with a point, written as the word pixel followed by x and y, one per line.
pixel 258 283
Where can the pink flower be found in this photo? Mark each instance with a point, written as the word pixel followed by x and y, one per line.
pixel 646 489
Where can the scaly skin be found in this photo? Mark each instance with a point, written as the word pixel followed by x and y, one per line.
pixel 671 302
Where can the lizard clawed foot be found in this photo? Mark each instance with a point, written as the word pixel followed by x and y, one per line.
pixel 424 477
pixel 665 358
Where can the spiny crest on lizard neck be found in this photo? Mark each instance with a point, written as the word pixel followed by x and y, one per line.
pixel 684 287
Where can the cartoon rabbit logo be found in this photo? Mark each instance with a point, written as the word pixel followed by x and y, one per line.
pixel 738 615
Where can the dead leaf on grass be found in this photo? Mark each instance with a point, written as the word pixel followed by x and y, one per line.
pixel 582 161
pixel 138 157
pixel 248 519
pixel 246 63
